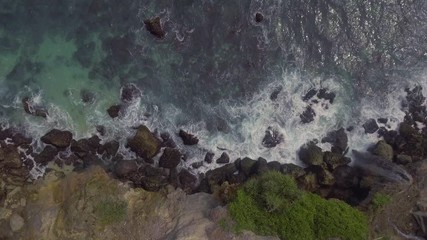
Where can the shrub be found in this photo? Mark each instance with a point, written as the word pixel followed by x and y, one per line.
pixel 110 211
pixel 265 207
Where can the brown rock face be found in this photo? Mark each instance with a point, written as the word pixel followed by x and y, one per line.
pixel 58 138
pixel 144 143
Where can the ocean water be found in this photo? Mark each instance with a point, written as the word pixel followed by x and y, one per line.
pixel 214 71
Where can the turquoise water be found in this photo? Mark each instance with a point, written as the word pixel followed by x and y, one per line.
pixel 214 71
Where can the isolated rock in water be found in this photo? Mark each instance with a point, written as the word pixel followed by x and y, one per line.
pixel 382 120
pixel 224 158
pixel 338 139
pixel 311 154
pixel 170 159
pixel 209 157
pixel 129 93
pixel 144 143
pixel 87 96
pixel 154 27
pixel 383 150
pixel 378 166
pixel 272 138
pixel 370 126
pixel 308 115
pixel 259 17
pixel 114 111
pixel 124 168
pixel 167 140
pixel 31 109
pixel 188 138
pixel 311 93
pixel 276 93
pixel 58 138
pixel 325 94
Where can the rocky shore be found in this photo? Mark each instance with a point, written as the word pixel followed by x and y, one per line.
pixel 155 190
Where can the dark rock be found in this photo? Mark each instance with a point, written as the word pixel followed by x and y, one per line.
pixel 167 140
pixel 383 150
pixel 272 138
pixel 261 166
pixel 58 138
pixel 370 126
pixel 18 139
pixel 144 143
pixel 154 27
pixel 6 133
pixel 170 159
pixel 294 170
pixel 406 130
pixel 275 93
pixel 274 166
pixel 246 166
pixel 224 158
pixel 48 154
pixel 188 138
pixel 311 154
pixel 382 120
pixel 346 177
pixel 125 168
pixel 209 157
pixel 197 165
pixel 110 148
pixel 389 136
pixel 311 93
pixel 403 159
pixel 30 109
pixel 80 148
pixel 87 96
pixel 325 94
pixel 10 158
pixel 129 93
pixel 308 115
pixel 259 17
pixel 114 111
pixel 338 139
pixel 334 160
pixel 219 175
pixel 187 180
pixel 349 129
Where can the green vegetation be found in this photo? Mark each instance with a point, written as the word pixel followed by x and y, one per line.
pixel 379 200
pixel 110 211
pixel 273 205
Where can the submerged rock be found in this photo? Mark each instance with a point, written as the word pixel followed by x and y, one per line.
pixel 154 27
pixel 129 93
pixel 114 111
pixel 144 143
pixel 187 138
pixel 58 138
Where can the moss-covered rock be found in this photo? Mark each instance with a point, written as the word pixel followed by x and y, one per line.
pixel 144 143
pixel 383 150
pixel 311 154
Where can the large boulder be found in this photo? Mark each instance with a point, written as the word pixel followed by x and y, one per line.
pixel 48 154
pixel 383 150
pixel 246 166
pixel 144 143
pixel 170 158
pixel 58 138
pixel 311 154
pixel 338 139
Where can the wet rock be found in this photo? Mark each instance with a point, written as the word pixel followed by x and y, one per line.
pixel 58 138
pixel 129 93
pixel 334 160
pixel 308 115
pixel 114 111
pixel 370 126
pixel 276 93
pixel 188 138
pixel 349 129
pixel 110 148
pixel 224 158
pixel 311 93
pixel 144 143
pixel 403 159
pixel 18 140
pixel 167 140
pixel 170 159
pixel 311 154
pixel 382 120
pixel 259 17
pixel 338 139
pixel 30 109
pixel 246 166
pixel 197 165
pixel 87 96
pixel 294 170
pixel 6 133
pixel 325 94
pixel 219 175
pixel 272 138
pixel 383 150
pixel 16 222
pixel 80 147
pixel 124 168
pixel 261 166
pixel 154 27
pixel 209 157
pixel 48 154
pixel 187 180
pixel 389 136
pixel 101 130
